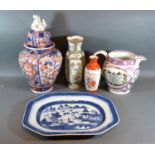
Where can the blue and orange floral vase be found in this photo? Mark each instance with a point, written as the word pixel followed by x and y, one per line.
pixel 40 60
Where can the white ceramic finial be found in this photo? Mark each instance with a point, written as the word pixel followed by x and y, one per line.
pixel 38 24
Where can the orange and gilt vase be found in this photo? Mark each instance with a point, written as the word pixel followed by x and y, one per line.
pixel 92 74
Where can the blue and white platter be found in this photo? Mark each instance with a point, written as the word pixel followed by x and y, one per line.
pixel 62 114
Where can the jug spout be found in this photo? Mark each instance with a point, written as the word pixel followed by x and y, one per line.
pixel 139 59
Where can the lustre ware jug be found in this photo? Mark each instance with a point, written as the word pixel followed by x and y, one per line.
pixel 121 70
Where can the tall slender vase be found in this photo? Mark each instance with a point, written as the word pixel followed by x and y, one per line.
pixel 74 62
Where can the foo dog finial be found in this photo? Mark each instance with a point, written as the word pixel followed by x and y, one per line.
pixel 38 24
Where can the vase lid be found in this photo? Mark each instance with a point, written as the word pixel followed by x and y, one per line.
pixel 38 36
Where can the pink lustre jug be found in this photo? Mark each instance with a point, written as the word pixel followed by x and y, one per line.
pixel 40 61
pixel 121 69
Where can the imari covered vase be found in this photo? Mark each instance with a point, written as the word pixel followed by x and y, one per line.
pixel 40 61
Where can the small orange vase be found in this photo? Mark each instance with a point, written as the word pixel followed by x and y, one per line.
pixel 92 74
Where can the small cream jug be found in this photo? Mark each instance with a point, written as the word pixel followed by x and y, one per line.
pixel 120 70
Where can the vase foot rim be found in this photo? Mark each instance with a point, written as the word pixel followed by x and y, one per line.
pixel 92 91
pixel 118 92
pixel 74 86
pixel 42 91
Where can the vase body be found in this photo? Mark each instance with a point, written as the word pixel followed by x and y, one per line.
pixel 121 70
pixel 74 62
pixel 92 74
pixel 40 67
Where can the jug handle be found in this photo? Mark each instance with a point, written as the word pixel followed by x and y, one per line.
pixel 103 52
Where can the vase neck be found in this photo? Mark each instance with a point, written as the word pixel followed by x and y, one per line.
pixel 75 47
pixel 93 60
pixel 93 64
pixel 75 43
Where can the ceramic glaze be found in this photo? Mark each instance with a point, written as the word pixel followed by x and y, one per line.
pixel 38 24
pixel 121 70
pixel 74 62
pixel 39 39
pixel 70 114
pixel 92 74
pixel 40 61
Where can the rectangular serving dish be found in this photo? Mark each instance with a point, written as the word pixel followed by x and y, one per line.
pixel 58 114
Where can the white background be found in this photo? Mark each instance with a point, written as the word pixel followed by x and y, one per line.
pixel 77 4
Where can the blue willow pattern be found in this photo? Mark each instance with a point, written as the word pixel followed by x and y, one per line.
pixel 70 116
